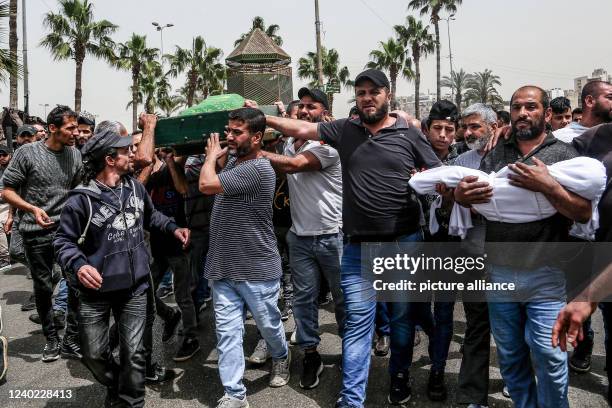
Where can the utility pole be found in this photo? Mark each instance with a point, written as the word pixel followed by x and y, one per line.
pixel 450 51
pixel 26 89
pixel 319 52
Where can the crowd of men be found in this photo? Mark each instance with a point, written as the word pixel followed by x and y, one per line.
pixel 117 224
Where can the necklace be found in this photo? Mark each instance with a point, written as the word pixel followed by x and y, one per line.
pixel 118 196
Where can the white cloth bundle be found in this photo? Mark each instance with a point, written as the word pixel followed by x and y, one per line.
pixel 583 176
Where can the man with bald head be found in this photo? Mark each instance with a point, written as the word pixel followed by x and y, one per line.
pixel 522 326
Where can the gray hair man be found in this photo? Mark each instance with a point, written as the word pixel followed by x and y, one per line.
pixel 479 123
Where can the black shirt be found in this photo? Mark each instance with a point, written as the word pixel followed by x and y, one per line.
pixel 377 200
pixel 552 229
pixel 597 144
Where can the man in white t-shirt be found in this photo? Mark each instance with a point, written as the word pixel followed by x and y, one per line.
pixel 315 239
pixel 596 109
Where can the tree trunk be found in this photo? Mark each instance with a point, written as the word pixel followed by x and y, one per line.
pixel 458 100
pixel 78 91
pixel 417 86
pixel 393 73
pixel 191 88
pixel 438 92
pixel 135 74
pixel 13 43
pixel 330 99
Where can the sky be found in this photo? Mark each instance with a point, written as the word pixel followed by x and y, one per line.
pixel 544 42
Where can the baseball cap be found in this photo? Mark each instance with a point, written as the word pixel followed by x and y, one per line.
pixel 106 139
pixel 377 76
pixel 4 149
pixel 316 94
pixel 443 110
pixel 31 130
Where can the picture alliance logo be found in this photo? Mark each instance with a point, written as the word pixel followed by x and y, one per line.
pixel 423 263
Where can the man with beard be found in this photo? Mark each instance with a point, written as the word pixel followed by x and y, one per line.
pixel 596 100
pixel 37 182
pixel 315 239
pixel 561 113
pixel 378 152
pixel 243 260
pixel 87 124
pixel 523 326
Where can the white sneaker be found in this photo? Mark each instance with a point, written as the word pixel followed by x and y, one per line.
pixel 280 374
pixel 293 340
pixel 228 401
pixel 260 354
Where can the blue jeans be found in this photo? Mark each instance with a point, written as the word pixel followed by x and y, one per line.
pixel 360 304
pixel 523 329
pixel 229 299
pixel 310 257
pixel 383 326
pixel 442 335
pixel 61 299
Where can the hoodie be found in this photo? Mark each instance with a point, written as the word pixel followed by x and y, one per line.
pixel 114 241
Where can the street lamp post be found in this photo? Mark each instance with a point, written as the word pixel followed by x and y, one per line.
pixel 161 28
pixel 450 51
pixel 45 105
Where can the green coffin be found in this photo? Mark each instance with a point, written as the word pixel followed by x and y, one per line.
pixel 187 133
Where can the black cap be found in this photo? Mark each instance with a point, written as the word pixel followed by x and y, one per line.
pixel 31 130
pixel 317 95
pixel 443 110
pixel 377 76
pixel 4 149
pixel 99 142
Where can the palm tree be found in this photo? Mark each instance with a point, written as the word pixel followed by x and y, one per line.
pixel 482 88
pixel 394 58
pixel 332 72
pixel 132 54
pixel 171 104
pixel 7 64
pixel 13 85
pixel 271 31
pixel 416 36
pixel 458 82
pixel 153 86
pixel 204 70
pixel 74 34
pixel 433 9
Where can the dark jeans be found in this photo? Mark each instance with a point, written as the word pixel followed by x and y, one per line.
pixel 606 309
pixel 474 371
pixel 283 250
pixel 442 335
pixel 183 289
pixel 383 326
pixel 404 317
pixel 125 381
pixel 197 261
pixel 40 256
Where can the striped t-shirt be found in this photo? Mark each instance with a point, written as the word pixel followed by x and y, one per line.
pixel 242 241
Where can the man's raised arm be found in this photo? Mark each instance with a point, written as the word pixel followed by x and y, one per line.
pixel 298 129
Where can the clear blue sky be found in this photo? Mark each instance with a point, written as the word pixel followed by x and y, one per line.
pixel 544 42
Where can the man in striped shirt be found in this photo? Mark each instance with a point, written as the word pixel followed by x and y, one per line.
pixel 243 260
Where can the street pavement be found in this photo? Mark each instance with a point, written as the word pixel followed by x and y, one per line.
pixel 197 384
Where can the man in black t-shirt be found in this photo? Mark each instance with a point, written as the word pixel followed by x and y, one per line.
pixel 377 151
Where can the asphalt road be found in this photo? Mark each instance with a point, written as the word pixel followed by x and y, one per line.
pixel 198 382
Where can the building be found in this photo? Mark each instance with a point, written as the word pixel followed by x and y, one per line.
pixel 599 74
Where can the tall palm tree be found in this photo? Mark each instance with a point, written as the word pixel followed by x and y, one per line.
pixel 458 82
pixel 205 72
pixel 13 84
pixel 74 34
pixel 271 31
pixel 482 88
pixel 131 56
pixel 153 86
pixel 416 36
pixel 332 72
pixel 392 57
pixel 170 104
pixel 433 9
pixel 8 66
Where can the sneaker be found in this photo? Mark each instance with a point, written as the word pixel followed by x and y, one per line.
pixel 286 313
pixel 382 346
pixel 260 354
pixel 293 339
pixel 580 361
pixel 157 374
pixel 202 307
pixel 30 304
pixel 3 358
pixel 228 401
pixel 249 315
pixel 208 298
pixel 280 375
pixel 417 337
pixel 170 326
pixel 312 369
pixel 325 299
pixel 477 406
pixel 436 389
pixel 5 268
pixel 165 291
pixel 51 352
pixel 188 349
pixel 505 391
pixel 70 348
pixel 399 390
